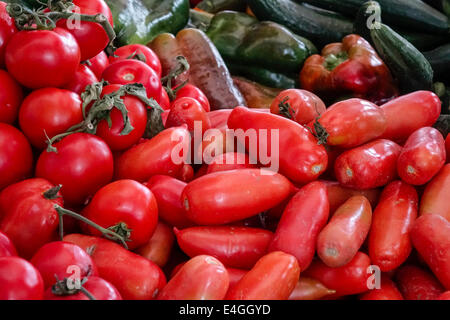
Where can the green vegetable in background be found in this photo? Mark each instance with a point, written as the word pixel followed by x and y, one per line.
pixel 214 6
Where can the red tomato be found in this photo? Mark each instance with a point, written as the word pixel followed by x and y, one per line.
pixel 91 36
pixel 430 238
pixel 447 147
pixel 82 165
pixel 273 277
pixel 201 278
pixel 63 260
pixel 42 58
pixel 435 197
pixel 126 207
pixel 165 100
pixel 387 291
pixel 228 196
pixel 29 217
pixel 168 191
pixel 299 105
pixel 409 113
pixel 346 280
pixel 190 112
pixel 445 296
pixel 82 78
pixel 159 247
pixel 422 156
pixel 191 91
pixel 230 161
pixel 393 218
pixel 310 289
pixel 235 276
pixel 166 154
pixel 186 173
pixel 16 158
pixel 11 95
pixel 134 71
pixel 345 233
pixel 302 220
pixel 7 248
pixel 7 30
pixel 299 156
pixel 19 280
pixel 417 284
pixel 137 114
pixel 138 51
pixel 369 166
pixel 98 64
pixel 219 118
pixel 351 123
pixel 135 277
pixel 236 247
pixel 49 111
pixel 99 288
pixel 215 142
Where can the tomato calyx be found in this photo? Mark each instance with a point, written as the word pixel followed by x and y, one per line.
pixel 52 193
pixel 286 109
pixel 181 67
pixel 69 287
pixel 121 229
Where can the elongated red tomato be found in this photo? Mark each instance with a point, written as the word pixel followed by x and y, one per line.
pixel 228 196
pixel 346 280
pixel 296 150
pixel 235 276
pixel 345 233
pixel 230 161
pixel 11 95
pixel 159 247
pixel 7 248
pixel 201 278
pixel 138 52
pixel 417 284
pixel 369 166
pixel 310 289
pixel 99 288
pixel 447 147
pixel 164 154
pixel 273 277
pixel 430 238
pixel 236 247
pixel 136 277
pixel 29 218
pixel 435 197
pixel 351 123
pixel 422 109
pixel 387 291
pixel 444 296
pixel 422 157
pixel 126 207
pixel 393 218
pixel 302 220
pixel 219 118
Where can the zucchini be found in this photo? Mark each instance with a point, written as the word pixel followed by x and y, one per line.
pixel 263 76
pixel 439 59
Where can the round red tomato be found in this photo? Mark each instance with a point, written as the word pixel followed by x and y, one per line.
pixel 11 96
pixel 192 91
pixel 165 100
pixel 7 248
pixel 42 58
pixel 138 52
pixel 82 78
pixel 7 30
pixel 49 111
pixel 190 112
pixel 98 64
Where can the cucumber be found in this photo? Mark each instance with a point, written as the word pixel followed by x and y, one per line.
pixel 263 76
pixel 321 29
pixel 439 59
pixel 214 6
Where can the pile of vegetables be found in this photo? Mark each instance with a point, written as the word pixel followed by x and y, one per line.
pixel 224 150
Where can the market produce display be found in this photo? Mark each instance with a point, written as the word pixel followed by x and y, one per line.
pixel 224 150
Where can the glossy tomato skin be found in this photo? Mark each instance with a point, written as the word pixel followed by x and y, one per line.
pixel 230 161
pixel 83 164
pixel 273 277
pixel 201 278
pixel 29 217
pixel 163 154
pixel 310 289
pixel 422 157
pixel 435 197
pixel 98 287
pixel 128 202
pixel 301 159
pixel 345 233
pixel 90 36
pixel 444 296
pixel 51 110
pixel 305 106
pixel 229 196
pixel 64 260
pixel 369 166
pixel 190 112
pixel 164 101
pixel 131 50
pixel 430 238
pixel 16 158
pixel 19 280
pixel 7 248
pixel 235 247
pixel 422 109
pixel 7 30
pixel 11 96
pixel 135 277
pixel 42 58
pixel 191 91
pixel 134 71
pixel 387 291
pixel 351 123
pixel 137 114
pixel 81 79
pixel 302 220
pixel 417 284
pixel 159 247
pixel 393 218
pixel 98 64
pixel 219 118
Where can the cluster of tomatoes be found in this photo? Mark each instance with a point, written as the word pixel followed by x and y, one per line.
pixel 92 207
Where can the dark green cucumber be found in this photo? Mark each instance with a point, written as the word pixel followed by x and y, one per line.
pixel 321 29
pixel 439 59
pixel 264 76
pixel 214 6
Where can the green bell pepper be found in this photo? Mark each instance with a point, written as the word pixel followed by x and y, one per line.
pixel 214 6
pixel 140 21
